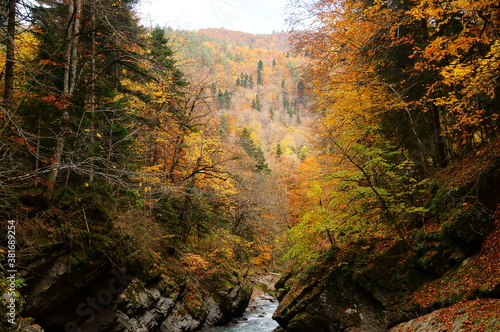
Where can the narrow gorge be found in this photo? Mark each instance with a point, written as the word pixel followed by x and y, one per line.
pixel 341 176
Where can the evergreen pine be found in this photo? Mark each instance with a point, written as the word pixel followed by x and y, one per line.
pixel 256 103
pixel 279 150
pixel 254 151
pixel 260 65
pixel 259 78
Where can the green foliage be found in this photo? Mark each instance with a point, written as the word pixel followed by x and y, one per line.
pixel 254 151
pixel 163 54
pixel 378 196
pixel 287 105
pixel 224 99
pixel 279 150
pixel 260 68
pixel 256 103
pixel 224 127
pixel 245 80
pixel 140 171
pixel 467 227
pixel 260 81
pixel 260 65
pixel 185 214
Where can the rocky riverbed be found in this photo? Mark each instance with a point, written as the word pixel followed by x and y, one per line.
pixel 258 315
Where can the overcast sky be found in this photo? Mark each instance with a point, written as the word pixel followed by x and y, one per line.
pixel 254 16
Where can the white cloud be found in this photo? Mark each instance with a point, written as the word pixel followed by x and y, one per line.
pixel 254 16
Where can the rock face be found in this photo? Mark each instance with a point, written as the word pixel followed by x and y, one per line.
pixel 97 297
pixel 332 300
pixel 59 293
pixel 375 298
pixel 478 315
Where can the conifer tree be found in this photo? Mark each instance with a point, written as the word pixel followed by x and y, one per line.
pixel 279 150
pixel 256 103
pixel 260 68
pixel 253 150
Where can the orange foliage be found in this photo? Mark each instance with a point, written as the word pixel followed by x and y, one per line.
pixel 476 273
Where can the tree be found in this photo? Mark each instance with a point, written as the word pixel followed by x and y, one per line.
pixel 256 103
pixel 105 122
pixel 348 48
pixel 245 80
pixel 253 151
pixel 301 91
pixel 427 54
pixel 224 99
pixel 397 97
pixel 224 127
pixel 84 50
pixel 460 49
pixel 10 53
pixel 259 78
pixel 279 150
pixel 260 68
pixel 286 104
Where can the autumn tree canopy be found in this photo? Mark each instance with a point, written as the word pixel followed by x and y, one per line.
pixel 167 139
pixel 403 89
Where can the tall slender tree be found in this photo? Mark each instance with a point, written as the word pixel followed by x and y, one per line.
pixel 85 48
pixel 10 53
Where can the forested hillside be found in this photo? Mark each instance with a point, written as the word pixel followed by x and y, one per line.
pixel 148 174
pixel 259 109
pixel 157 158
pixel 162 158
pixel 400 201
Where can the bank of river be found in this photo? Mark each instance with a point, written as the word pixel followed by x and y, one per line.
pixel 257 318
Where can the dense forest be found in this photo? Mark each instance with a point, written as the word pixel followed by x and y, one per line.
pixel 399 215
pixel 158 155
pixel 358 156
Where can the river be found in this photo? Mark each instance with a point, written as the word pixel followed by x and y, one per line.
pixel 257 318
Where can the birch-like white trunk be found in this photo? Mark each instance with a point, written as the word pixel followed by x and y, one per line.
pixel 69 83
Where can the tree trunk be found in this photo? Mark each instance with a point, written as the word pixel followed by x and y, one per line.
pixel 439 140
pixel 56 163
pixel 9 66
pixel 92 98
pixel 38 143
pixel 75 12
pixel 74 15
pixel 10 54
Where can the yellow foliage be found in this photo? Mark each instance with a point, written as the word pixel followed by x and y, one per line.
pixel 195 262
pixel 262 258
